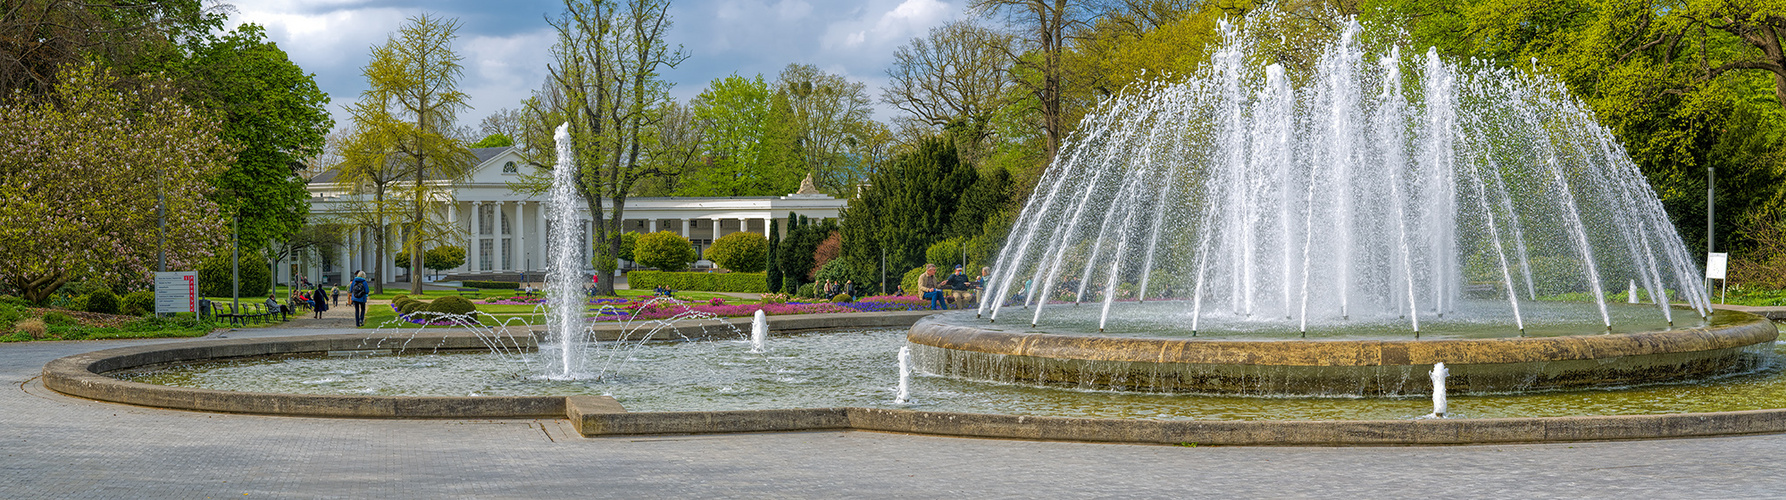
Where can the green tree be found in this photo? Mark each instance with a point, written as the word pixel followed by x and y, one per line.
pixel 493 141
pixel 1685 85
pixel 273 114
pixel 743 252
pixel 665 250
pixel 215 278
pixel 81 168
pixel 736 112
pixel 39 37
pixel 412 102
pixel 773 272
pixel 443 257
pixel 908 206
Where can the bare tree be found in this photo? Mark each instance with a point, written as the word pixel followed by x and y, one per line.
pixel 609 87
pixel 958 75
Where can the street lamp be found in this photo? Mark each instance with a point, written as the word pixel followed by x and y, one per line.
pixel 235 264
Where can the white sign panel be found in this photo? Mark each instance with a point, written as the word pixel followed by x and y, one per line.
pixel 1715 264
pixel 176 292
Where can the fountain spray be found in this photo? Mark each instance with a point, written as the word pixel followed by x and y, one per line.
pixel 905 375
pixel 759 331
pixel 1439 373
pixel 564 316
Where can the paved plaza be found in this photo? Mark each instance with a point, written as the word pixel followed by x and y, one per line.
pixel 56 446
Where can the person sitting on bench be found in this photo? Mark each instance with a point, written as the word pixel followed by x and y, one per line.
pixel 665 292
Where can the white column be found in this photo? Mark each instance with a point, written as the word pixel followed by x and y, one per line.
pixel 521 236
pixel 341 266
pixel 715 229
pixel 540 217
pixel 496 243
pixel 452 209
pixel 653 228
pixel 685 227
pixel 474 251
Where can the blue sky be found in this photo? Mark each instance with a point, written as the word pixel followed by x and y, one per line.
pixel 505 43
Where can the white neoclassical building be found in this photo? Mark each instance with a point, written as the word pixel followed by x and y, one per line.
pixel 504 232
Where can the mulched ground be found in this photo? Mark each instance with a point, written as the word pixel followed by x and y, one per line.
pixel 89 319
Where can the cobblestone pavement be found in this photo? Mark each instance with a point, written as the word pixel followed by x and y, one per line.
pixel 54 446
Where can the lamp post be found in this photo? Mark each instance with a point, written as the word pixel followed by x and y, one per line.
pixel 1710 229
pixel 235 267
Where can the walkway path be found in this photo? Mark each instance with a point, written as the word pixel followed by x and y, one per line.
pixel 54 446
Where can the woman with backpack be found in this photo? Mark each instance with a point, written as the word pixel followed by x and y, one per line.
pixel 357 293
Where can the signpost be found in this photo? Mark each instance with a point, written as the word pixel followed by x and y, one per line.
pixel 1715 265
pixel 176 292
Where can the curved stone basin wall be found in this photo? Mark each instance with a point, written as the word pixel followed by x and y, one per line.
pixel 1340 367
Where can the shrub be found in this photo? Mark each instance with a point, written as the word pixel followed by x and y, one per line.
pixel 742 252
pixel 494 285
pixel 411 306
pixel 842 297
pixel 836 270
pixel 910 280
pixel 102 301
pixel 56 318
pixel 213 277
pixel 452 304
pixel 78 303
pixel 665 251
pixel 697 282
pixel 826 251
pixel 34 327
pixel 945 254
pixel 139 302
pixel 808 291
pixel 443 257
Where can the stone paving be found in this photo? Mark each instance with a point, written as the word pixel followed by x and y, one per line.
pixel 54 446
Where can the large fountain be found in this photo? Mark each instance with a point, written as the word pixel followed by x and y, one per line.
pixel 1339 230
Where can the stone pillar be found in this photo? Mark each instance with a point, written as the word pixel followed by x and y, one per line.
pixel 653 227
pixel 685 227
pixel 453 217
pixel 521 236
pixel 341 267
pixel 497 254
pixel 474 251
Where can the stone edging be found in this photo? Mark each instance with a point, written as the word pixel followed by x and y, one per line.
pixel 81 375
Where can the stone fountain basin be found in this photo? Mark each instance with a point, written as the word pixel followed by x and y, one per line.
pixel 1373 367
pixel 83 375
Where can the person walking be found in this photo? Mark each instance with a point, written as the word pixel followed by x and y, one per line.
pixel 927 284
pixel 335 295
pixel 322 301
pixel 357 293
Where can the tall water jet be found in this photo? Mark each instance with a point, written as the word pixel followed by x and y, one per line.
pixel 905 375
pixel 565 324
pixel 1438 375
pixel 759 332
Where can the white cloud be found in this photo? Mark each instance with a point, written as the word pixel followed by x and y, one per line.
pixel 500 71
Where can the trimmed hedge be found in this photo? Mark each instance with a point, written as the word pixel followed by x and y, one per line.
pixel 697 282
pixel 494 285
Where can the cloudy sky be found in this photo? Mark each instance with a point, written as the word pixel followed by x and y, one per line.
pixel 505 42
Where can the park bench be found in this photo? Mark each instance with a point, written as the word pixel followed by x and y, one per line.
pixel 470 292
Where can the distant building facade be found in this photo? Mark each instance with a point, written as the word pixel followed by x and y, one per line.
pixel 505 233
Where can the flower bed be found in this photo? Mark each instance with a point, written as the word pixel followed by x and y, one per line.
pixel 662 309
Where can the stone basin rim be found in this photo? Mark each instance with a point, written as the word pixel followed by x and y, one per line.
pixel 1735 329
pixel 80 375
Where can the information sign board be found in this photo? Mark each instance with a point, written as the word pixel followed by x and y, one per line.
pixel 176 291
